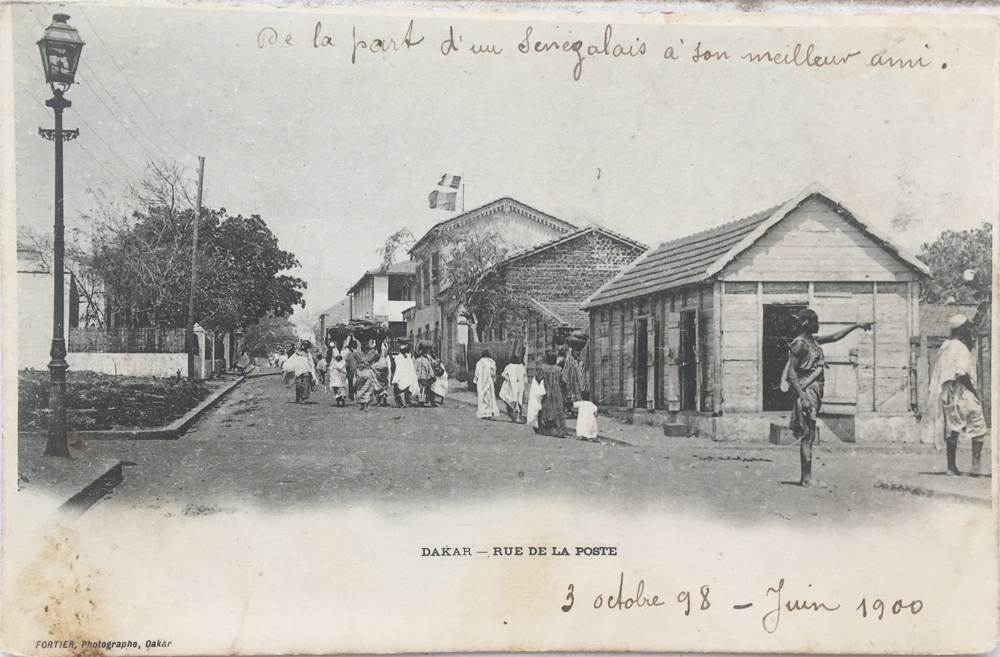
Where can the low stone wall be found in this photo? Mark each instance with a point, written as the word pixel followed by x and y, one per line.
pixel 162 365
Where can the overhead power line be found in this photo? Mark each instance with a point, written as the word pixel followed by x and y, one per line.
pixel 82 118
pixel 138 127
pixel 129 83
pixel 80 144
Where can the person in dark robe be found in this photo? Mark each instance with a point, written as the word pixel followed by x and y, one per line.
pixel 552 416
pixel 806 365
pixel 350 354
pixel 572 375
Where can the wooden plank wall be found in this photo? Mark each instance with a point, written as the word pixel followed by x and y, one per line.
pixel 741 347
pixel 734 308
pixel 814 243
pixel 892 348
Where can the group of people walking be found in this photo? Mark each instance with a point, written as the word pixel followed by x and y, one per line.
pixel 366 373
pixel 555 392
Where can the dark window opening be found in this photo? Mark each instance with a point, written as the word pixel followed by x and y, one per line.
pixel 689 360
pixel 400 288
pixel 435 273
pixel 779 330
pixel 641 360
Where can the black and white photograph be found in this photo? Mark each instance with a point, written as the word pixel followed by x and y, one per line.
pixel 402 329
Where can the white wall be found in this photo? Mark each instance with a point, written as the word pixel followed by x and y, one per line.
pixel 383 307
pixel 161 365
pixel 34 315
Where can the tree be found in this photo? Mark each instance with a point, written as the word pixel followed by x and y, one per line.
pixel 475 285
pixel 268 335
pixel 961 266
pixel 143 258
pixel 401 238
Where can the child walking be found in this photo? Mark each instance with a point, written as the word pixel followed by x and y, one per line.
pixel 586 417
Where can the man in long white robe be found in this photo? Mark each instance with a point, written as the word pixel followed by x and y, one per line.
pixel 485 380
pixel 953 408
pixel 404 378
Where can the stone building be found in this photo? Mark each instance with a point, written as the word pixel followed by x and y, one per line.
pixel 555 278
pixel 697 329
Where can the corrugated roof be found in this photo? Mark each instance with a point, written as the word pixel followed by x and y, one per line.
pixel 934 317
pixel 677 262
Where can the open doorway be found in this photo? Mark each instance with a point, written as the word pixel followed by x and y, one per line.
pixel 689 360
pixel 780 326
pixel 641 358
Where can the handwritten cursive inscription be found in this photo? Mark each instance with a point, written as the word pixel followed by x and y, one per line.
pixel 772 619
pixel 618 602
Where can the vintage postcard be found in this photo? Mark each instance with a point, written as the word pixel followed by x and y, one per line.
pixel 346 329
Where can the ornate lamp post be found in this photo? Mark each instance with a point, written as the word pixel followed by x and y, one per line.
pixel 60 47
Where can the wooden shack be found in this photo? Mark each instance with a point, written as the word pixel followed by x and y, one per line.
pixel 697 328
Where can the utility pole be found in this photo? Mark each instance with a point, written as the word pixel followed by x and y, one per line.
pixel 192 343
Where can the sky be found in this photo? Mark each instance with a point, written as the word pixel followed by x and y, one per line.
pixel 335 156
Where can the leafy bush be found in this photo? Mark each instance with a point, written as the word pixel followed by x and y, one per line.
pixel 114 401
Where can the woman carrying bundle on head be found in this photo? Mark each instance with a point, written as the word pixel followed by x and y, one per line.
pixel 300 365
pixel 551 416
pixel 572 377
pixel 381 373
pixel 337 374
pixel 364 377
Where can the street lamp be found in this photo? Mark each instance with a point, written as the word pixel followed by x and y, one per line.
pixel 60 47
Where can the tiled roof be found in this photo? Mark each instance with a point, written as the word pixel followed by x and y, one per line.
pixel 563 313
pixel 677 262
pixel 701 256
pixel 934 317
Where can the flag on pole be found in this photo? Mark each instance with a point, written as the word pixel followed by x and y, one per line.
pixel 443 200
pixel 450 181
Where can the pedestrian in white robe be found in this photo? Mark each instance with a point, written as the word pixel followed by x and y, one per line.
pixel 337 374
pixel 485 380
pixel 535 396
pixel 404 376
pixel 440 385
pixel 953 406
pixel 512 390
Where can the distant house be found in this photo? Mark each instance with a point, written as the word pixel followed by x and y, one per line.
pixel 34 309
pixel 521 227
pixel 384 295
pixel 153 351
pixel 338 313
pixel 699 326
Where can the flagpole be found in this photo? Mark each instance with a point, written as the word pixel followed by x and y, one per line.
pixel 463 195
